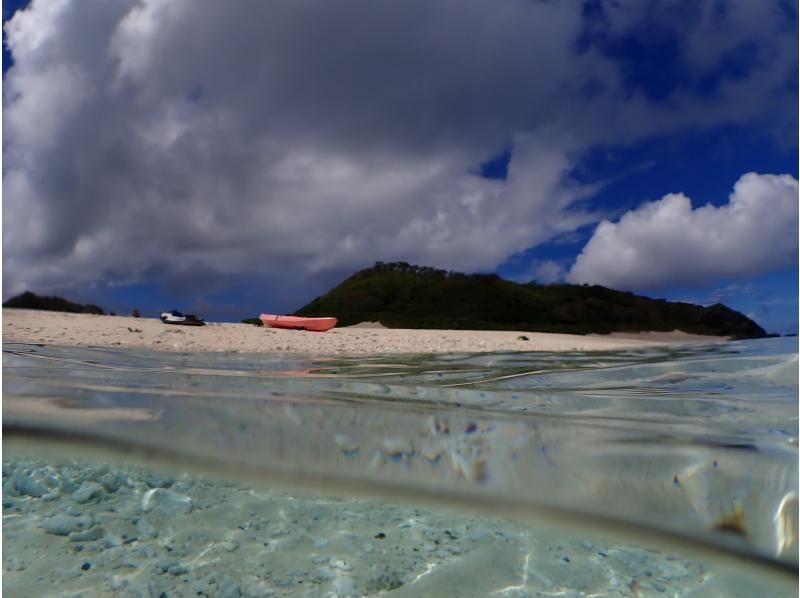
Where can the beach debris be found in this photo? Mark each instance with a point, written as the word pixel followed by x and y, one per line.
pixel 135 314
pixel 133 329
pixel 523 338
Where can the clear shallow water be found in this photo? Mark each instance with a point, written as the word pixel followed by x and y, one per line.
pixel 689 451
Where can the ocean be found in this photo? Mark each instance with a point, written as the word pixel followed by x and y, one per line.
pixel 670 471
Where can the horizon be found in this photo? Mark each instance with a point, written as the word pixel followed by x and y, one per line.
pixel 247 158
pixel 237 319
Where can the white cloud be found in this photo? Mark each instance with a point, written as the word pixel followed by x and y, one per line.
pixel 668 242
pixel 541 271
pixel 549 271
pixel 166 137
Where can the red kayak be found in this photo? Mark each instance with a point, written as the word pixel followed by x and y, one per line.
pixel 298 323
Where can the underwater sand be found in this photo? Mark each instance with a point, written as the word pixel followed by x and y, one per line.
pixel 82 529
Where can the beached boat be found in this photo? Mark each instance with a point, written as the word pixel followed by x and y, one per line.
pixel 176 317
pixel 298 322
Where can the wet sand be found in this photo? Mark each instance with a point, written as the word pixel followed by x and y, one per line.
pixel 22 325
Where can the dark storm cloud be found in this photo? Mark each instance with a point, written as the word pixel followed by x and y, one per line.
pixel 228 138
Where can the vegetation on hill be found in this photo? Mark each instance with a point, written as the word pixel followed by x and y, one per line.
pixel 28 300
pixel 400 295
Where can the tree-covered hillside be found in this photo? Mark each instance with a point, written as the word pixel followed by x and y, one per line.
pixel 28 300
pixel 400 295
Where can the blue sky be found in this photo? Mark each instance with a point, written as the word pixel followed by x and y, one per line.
pixel 244 158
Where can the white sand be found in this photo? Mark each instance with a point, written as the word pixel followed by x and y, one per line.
pixel 22 325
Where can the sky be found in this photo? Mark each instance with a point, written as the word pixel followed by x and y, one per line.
pixel 232 158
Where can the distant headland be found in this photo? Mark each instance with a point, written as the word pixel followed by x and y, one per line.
pixel 29 300
pixel 401 295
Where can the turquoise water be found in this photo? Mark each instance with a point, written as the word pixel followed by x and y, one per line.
pixel 667 471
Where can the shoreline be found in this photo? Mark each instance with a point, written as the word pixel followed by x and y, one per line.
pixel 59 328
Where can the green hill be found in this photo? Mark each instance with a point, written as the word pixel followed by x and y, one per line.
pixel 400 295
pixel 28 300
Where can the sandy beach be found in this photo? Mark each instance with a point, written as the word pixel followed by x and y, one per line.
pixel 21 325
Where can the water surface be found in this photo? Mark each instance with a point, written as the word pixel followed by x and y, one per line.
pixel 641 455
